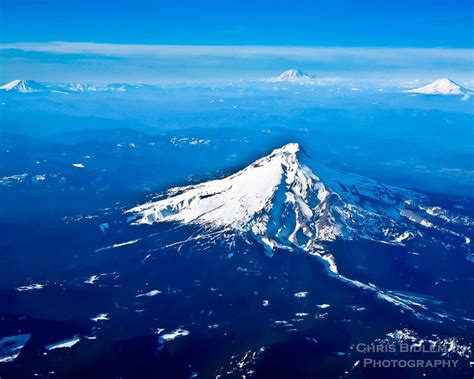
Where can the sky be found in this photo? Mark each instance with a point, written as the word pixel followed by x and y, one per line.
pixel 152 41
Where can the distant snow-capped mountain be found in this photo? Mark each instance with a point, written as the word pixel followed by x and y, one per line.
pixel 23 86
pixel 291 76
pixel 30 86
pixel 441 87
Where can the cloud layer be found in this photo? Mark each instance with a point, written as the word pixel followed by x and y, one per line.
pixel 192 62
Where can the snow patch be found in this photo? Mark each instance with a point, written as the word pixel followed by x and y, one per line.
pixel 149 294
pixel 29 287
pixel 301 294
pixel 100 317
pixel 176 333
pixel 323 306
pixel 10 347
pixel 67 343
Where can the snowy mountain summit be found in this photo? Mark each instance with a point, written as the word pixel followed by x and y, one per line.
pixel 30 86
pixel 441 87
pixel 287 200
pixel 22 86
pixel 291 76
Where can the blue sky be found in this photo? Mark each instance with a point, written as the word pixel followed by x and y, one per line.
pixel 438 33
pixel 400 23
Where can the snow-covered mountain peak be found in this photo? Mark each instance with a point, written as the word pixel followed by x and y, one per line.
pixel 279 202
pixel 283 153
pixel 291 148
pixel 294 75
pixel 443 86
pixel 23 86
pixel 288 200
pixel 30 86
pixel 242 201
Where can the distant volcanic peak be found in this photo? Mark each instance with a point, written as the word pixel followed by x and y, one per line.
pixel 30 86
pixel 294 75
pixel 443 86
pixel 23 86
